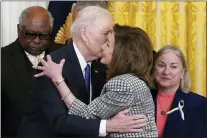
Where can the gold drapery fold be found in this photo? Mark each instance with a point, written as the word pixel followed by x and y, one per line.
pixel 178 23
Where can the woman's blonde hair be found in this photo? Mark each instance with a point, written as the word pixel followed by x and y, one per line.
pixel 185 80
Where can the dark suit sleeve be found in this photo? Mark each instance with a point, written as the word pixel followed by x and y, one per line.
pixel 55 112
pixel 199 124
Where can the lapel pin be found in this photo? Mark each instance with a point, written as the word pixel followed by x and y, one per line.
pixel 180 108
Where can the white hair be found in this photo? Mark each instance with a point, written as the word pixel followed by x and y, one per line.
pixel 86 18
pixel 24 15
pixel 79 5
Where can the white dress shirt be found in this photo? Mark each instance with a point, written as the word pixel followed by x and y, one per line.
pixel 35 60
pixel 83 64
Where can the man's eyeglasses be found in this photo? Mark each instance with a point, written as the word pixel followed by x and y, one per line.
pixel 42 36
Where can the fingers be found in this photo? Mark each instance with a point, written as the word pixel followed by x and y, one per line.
pixel 39 74
pixel 138 124
pixel 135 122
pixel 62 62
pixel 140 121
pixel 139 116
pixel 43 62
pixel 131 126
pixel 124 123
pixel 49 59
pixel 38 67
pixel 125 111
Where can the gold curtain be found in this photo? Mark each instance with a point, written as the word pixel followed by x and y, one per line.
pixel 179 23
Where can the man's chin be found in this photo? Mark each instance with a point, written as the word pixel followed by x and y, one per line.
pixel 36 52
pixel 96 57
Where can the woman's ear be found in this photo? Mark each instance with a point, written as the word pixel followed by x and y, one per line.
pixel 183 73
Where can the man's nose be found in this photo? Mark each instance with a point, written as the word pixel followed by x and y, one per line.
pixel 36 40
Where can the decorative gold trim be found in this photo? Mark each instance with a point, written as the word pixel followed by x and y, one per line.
pixel 63 34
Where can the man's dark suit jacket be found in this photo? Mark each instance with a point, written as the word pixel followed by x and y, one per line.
pixel 48 115
pixel 194 125
pixel 17 72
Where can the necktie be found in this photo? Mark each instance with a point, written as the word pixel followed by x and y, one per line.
pixel 87 77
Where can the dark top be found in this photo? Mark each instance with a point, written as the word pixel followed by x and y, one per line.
pixel 195 123
pixel 17 72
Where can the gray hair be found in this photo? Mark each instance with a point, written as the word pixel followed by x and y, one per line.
pixel 86 18
pixel 24 14
pixel 82 4
pixel 185 80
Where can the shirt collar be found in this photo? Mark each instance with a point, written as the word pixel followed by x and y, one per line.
pixel 81 59
pixel 35 59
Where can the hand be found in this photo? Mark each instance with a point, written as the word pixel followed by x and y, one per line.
pixel 123 123
pixel 50 69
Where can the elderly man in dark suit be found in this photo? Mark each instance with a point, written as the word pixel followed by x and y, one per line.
pixel 32 44
pixel 48 115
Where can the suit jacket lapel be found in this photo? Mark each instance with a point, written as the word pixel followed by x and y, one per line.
pixel 98 77
pixel 174 119
pixel 76 78
pixel 19 63
pixel 174 124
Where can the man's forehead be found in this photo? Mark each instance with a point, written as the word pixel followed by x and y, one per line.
pixel 36 21
pixel 102 28
pixel 40 17
pixel 37 26
pixel 105 21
